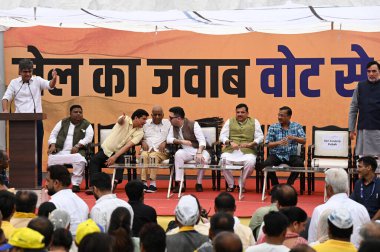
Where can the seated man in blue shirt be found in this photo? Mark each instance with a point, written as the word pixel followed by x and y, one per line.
pixel 282 140
pixel 367 188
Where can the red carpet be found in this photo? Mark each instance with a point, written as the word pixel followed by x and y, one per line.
pixel 245 207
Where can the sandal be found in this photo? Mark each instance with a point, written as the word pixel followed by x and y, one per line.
pixel 230 189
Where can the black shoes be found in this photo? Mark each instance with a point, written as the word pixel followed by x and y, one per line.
pixel 198 188
pixel 89 191
pixel 75 189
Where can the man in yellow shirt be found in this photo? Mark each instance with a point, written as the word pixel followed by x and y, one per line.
pixel 126 133
pixel 340 230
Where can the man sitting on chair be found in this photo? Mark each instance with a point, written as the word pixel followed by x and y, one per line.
pixel 282 140
pixel 67 143
pixel 154 142
pixel 126 133
pixel 190 136
pixel 241 135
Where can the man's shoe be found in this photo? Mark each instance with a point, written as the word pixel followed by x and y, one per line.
pixel 176 189
pixel 152 189
pixel 145 188
pixel 89 191
pixel 198 188
pixel 230 189
pixel 75 189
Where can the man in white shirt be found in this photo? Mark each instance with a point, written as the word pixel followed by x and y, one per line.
pixel 154 145
pixel 189 135
pixel 26 93
pixel 336 180
pixel 67 143
pixel 106 202
pixel 275 225
pixel 241 135
pixel 57 184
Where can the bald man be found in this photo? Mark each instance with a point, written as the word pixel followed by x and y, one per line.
pixel 227 242
pixel 154 145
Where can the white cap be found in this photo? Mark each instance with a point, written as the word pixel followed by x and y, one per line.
pixel 187 212
pixel 341 218
pixel 60 218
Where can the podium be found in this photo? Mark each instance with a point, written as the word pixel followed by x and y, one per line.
pixel 22 148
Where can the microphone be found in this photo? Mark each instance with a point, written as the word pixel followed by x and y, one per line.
pixel 34 104
pixel 10 107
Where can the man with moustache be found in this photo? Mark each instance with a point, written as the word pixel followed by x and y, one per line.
pixel 366 102
pixel 154 145
pixel 57 184
pixel 282 140
pixel 67 143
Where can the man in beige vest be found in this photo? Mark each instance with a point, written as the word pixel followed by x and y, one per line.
pixel 189 135
pixel 241 135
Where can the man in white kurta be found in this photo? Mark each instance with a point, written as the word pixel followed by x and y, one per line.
pixel 67 143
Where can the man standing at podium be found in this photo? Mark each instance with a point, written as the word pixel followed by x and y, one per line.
pixel 26 90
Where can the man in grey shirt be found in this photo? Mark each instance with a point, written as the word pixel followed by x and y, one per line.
pixel 366 102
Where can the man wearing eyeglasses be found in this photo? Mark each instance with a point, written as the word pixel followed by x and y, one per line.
pixel 366 102
pixel 189 135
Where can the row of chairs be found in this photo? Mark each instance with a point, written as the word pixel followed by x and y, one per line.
pixel 331 147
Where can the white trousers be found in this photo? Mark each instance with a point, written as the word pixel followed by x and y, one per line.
pixel 76 160
pixel 181 157
pixel 249 165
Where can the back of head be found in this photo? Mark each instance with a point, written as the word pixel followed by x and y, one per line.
pixel 139 113
pixel 44 226
pixel 274 193
pixel 120 218
pixel 7 204
pixel 85 228
pixel 60 218
pixel 302 248
pixel 60 173
pixel 152 238
pixel 134 190
pixel 62 238
pixel 97 242
pixel 369 161
pixel 275 223
pixel 46 208
pixel 225 202
pixel 102 181
pixel 227 242
pixel 220 222
pixel 294 214
pixel 286 195
pixel 337 179
pixel 187 211
pixel 26 201
pixel 177 111
pixel 369 245
pixel 370 230
pixel 340 224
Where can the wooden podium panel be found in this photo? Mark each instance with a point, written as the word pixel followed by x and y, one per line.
pixel 23 148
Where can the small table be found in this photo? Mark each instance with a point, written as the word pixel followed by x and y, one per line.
pixel 141 166
pixel 215 168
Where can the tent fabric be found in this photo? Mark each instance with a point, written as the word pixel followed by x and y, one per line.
pixel 209 17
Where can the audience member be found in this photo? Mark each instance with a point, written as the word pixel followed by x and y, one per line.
pixel 297 221
pixel 340 229
pixel 275 226
pixel 57 183
pixel 26 202
pixel 120 228
pixel 227 242
pixel 302 248
pixel 97 242
pixel 152 238
pixel 142 213
pixel 367 188
pixel 24 239
pixel 258 217
pixel 154 145
pixel 186 215
pixel 369 246
pixel 219 222
pixel 61 241
pixel 225 202
pixel 68 141
pixel 85 228
pixel 4 163
pixel 45 209
pixel 241 135
pixel 336 180
pixel 60 219
pixel 189 135
pixel 370 231
pixel 7 208
pixel 126 133
pixel 44 227
pixel 106 201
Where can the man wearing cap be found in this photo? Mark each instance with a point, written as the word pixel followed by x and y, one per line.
pixel 186 216
pixel 336 180
pixel 340 227
pixel 85 228
pixel 241 135
pixel 60 219
pixel 25 239
pixel 367 188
